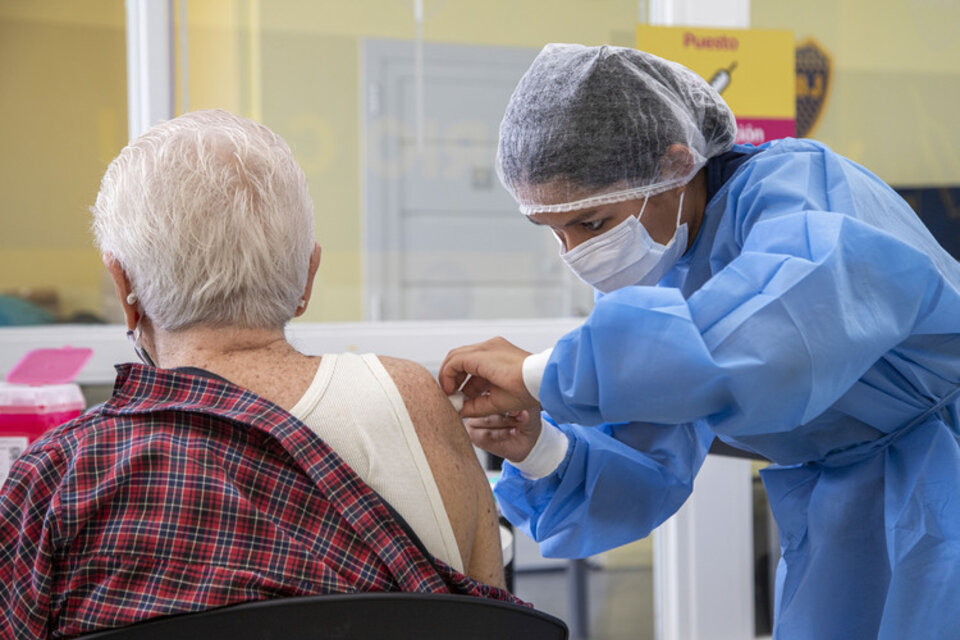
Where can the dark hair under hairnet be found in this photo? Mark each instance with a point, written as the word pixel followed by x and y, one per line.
pixel 592 125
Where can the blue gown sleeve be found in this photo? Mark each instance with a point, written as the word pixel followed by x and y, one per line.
pixel 814 293
pixel 615 485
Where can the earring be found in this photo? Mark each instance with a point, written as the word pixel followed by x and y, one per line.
pixel 132 298
pixel 301 304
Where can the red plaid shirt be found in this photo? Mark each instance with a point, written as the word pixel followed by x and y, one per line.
pixel 184 493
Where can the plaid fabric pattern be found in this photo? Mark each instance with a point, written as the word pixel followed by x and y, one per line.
pixel 184 493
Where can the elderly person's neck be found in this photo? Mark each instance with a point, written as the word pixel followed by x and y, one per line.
pixel 260 360
pixel 218 349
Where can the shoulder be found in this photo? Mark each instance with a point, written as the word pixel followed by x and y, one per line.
pixel 787 156
pixel 406 371
pixel 420 391
pixel 57 457
pixel 61 443
pixel 44 465
pixel 787 148
pixel 788 152
pixel 786 177
pixel 35 478
pixel 436 422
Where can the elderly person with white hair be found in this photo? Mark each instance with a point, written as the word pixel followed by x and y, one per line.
pixel 236 468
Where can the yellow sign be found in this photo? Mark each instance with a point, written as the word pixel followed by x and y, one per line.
pixel 753 69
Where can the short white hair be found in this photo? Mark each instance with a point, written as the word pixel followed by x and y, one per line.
pixel 210 217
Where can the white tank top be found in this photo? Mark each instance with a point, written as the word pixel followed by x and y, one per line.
pixel 354 405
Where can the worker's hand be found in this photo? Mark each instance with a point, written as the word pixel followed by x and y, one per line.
pixel 495 384
pixel 509 436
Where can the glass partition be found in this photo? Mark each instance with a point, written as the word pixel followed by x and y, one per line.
pixel 393 118
pixel 393 114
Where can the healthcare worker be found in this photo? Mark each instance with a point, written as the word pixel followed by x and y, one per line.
pixel 780 298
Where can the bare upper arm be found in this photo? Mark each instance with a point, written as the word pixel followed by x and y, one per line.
pixel 460 478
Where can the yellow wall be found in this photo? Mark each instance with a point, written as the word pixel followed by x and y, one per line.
pixel 310 97
pixel 216 70
pixel 896 86
pixel 530 23
pixel 63 117
pixel 78 13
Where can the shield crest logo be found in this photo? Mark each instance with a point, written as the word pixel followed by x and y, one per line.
pixel 814 71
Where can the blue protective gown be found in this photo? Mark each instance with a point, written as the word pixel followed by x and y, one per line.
pixel 816 322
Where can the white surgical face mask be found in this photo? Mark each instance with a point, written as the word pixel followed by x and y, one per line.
pixel 626 255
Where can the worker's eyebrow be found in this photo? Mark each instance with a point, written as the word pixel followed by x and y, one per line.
pixel 580 218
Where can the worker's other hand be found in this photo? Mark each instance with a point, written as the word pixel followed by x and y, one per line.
pixel 509 436
pixel 493 371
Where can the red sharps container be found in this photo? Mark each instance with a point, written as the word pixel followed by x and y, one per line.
pixel 38 394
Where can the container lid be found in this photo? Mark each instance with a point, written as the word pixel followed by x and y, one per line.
pixel 49 366
pixel 20 398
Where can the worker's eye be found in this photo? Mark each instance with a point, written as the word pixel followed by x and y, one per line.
pixel 593 225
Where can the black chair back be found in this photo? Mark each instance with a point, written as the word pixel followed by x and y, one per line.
pixel 362 616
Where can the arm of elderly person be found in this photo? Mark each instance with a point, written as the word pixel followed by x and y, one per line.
pixel 462 483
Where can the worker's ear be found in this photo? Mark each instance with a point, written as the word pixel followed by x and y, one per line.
pixel 131 310
pixel 677 163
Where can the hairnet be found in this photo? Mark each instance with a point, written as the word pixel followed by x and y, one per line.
pixel 593 125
